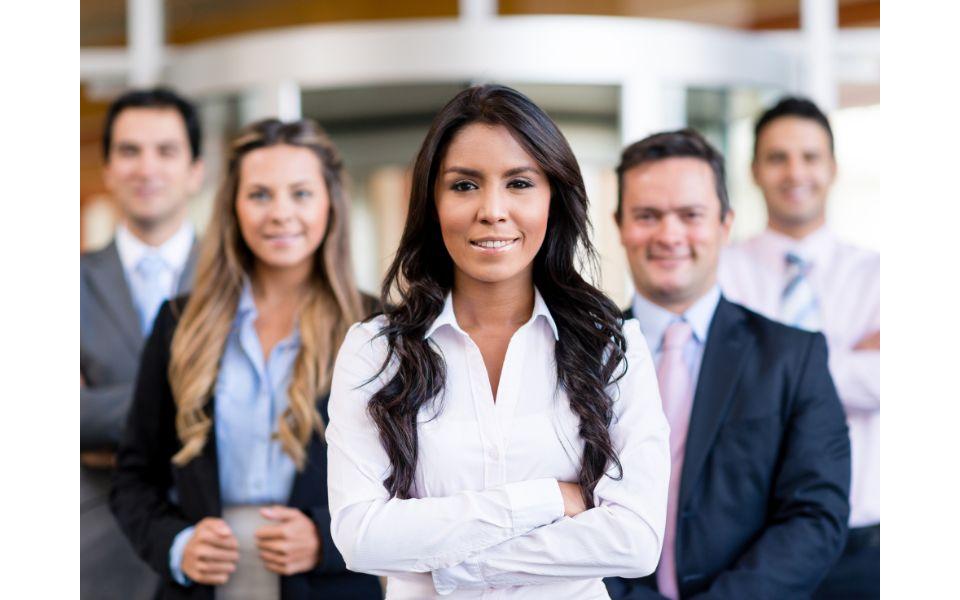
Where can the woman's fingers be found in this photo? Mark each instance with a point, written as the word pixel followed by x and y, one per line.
pixel 212 568
pixel 279 546
pixel 218 539
pixel 208 553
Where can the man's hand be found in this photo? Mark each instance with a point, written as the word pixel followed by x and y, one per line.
pixel 290 546
pixel 98 459
pixel 871 341
pixel 210 555
pixel 572 499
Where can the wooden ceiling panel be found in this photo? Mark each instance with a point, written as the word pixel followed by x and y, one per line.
pixel 103 23
pixel 193 20
pixel 743 14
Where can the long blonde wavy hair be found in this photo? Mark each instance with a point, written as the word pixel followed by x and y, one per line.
pixel 332 303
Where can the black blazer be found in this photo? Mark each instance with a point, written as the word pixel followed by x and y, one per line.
pixel 764 490
pixel 140 498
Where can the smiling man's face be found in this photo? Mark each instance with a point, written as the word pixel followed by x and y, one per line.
pixel 794 168
pixel 671 229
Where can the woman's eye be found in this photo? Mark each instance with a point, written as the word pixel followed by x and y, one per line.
pixel 520 184
pixel 463 186
pixel 302 194
pixel 258 195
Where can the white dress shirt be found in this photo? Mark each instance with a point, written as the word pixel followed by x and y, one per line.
pixel 174 253
pixel 486 516
pixel 846 283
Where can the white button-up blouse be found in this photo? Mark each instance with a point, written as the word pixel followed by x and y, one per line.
pixel 486 516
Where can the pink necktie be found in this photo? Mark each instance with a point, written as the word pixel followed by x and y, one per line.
pixel 677 395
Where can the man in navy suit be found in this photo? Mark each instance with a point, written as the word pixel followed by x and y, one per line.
pixel 760 454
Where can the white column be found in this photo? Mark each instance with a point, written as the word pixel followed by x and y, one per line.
pixel 674 107
pixel 278 99
pixel 644 110
pixel 145 38
pixel 477 10
pixel 818 23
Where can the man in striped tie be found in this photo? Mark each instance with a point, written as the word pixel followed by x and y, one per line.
pixel 760 459
pixel 800 273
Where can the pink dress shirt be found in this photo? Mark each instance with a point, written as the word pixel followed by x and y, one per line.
pixel 846 282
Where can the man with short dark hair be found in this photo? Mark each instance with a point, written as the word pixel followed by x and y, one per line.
pixel 152 166
pixel 800 273
pixel 757 504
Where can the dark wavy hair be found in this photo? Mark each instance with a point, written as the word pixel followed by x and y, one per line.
pixel 591 345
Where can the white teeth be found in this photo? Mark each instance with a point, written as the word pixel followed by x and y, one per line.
pixel 494 243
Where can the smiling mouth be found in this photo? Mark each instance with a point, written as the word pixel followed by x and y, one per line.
pixel 668 259
pixel 500 244
pixel 147 191
pixel 796 191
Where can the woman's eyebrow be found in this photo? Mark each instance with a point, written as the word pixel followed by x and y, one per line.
pixel 475 173
pixel 518 170
pixel 463 171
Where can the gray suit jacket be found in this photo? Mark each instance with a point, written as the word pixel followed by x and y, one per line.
pixel 110 346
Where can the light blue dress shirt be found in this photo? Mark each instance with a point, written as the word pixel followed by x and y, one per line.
pixel 153 272
pixel 249 395
pixel 654 321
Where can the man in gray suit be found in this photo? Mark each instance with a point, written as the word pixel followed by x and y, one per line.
pixel 152 166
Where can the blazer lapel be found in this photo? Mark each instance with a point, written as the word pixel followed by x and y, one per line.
pixel 723 360
pixel 206 470
pixel 109 283
pixel 311 483
pixel 189 270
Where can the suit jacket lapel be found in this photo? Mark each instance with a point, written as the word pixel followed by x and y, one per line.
pixel 189 270
pixel 206 470
pixel 311 483
pixel 109 283
pixel 723 360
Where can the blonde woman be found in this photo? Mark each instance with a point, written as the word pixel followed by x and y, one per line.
pixel 221 480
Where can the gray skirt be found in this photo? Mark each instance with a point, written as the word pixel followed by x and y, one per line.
pixel 251 580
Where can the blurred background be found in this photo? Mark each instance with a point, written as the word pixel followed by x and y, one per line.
pixel 608 71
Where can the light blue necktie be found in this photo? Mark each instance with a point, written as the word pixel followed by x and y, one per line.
pixel 798 303
pixel 150 290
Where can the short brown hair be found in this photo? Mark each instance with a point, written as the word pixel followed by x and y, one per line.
pixel 673 144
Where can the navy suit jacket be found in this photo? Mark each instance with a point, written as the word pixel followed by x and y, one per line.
pixel 140 499
pixel 764 489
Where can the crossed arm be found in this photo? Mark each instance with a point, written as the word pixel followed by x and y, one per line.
pixel 513 534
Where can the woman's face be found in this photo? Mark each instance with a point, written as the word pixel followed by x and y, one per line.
pixel 493 201
pixel 282 206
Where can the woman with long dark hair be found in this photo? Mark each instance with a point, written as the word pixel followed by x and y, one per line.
pixel 221 475
pixel 499 427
